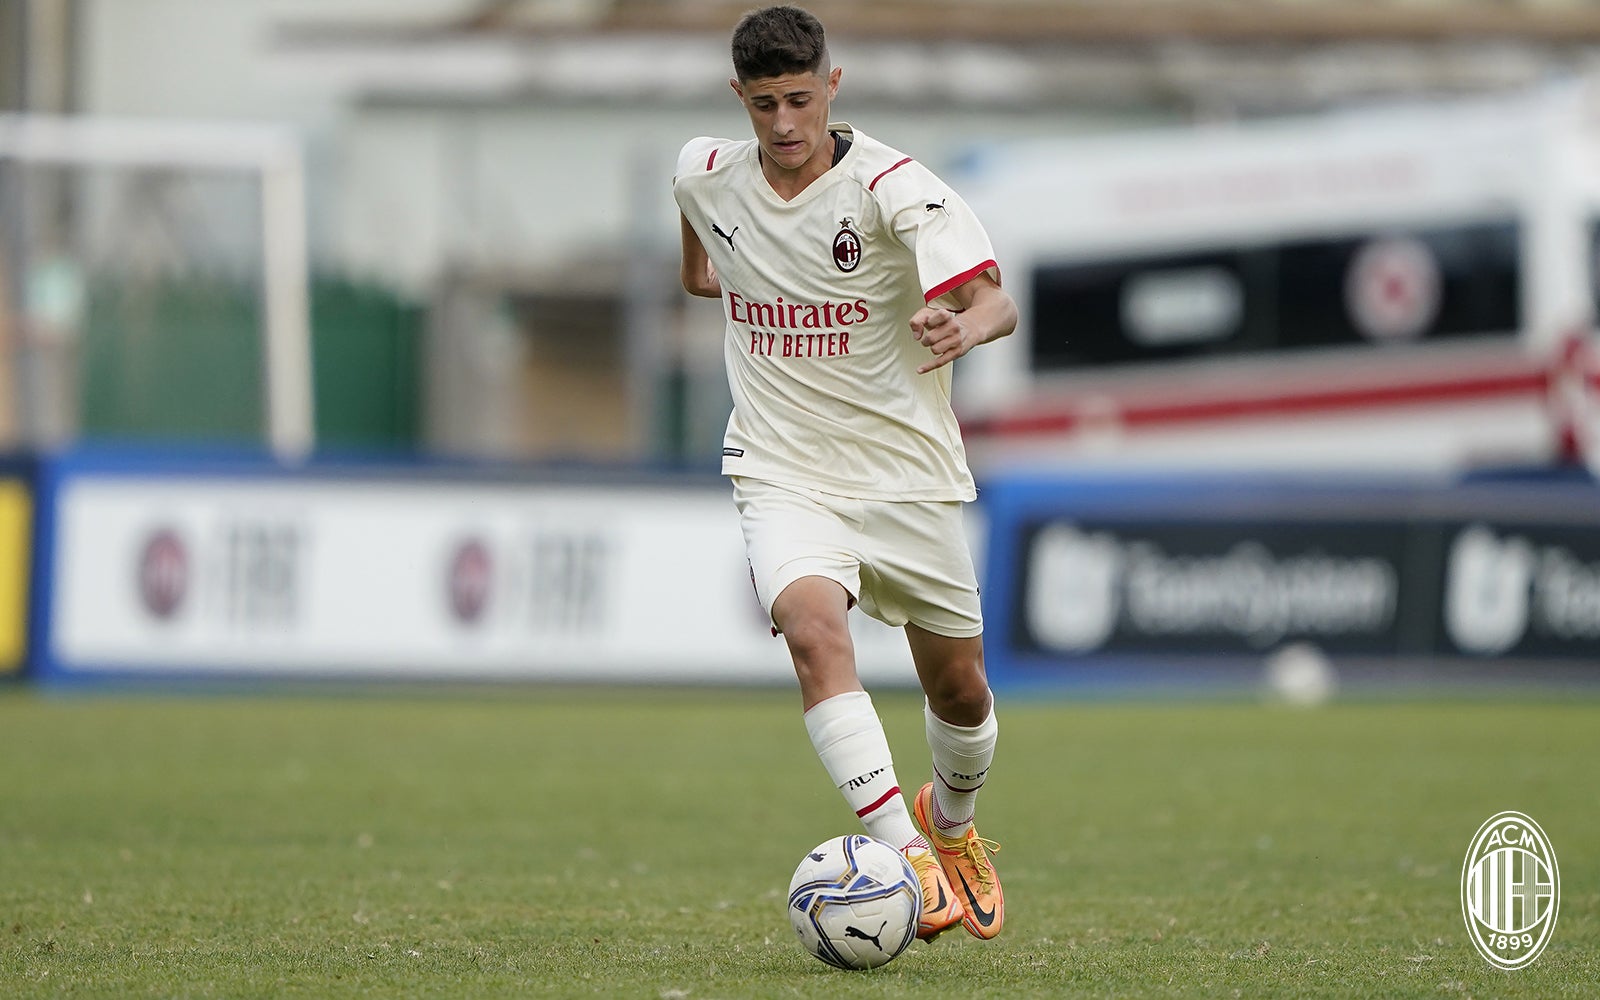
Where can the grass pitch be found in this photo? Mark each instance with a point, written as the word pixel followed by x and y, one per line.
pixel 638 844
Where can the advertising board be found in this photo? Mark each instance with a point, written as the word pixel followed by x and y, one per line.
pixel 16 545
pixel 273 575
pixel 1122 573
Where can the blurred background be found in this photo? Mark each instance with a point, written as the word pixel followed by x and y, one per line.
pixel 344 336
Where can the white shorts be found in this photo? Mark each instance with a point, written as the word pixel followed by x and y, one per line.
pixel 902 561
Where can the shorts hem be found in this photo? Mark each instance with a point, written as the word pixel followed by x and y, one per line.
pixel 799 569
pixel 960 633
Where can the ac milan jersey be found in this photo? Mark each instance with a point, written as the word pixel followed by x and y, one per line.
pixel 818 292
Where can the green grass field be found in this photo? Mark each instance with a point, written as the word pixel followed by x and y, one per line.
pixel 541 842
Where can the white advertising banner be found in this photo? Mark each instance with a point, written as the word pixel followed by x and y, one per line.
pixel 323 577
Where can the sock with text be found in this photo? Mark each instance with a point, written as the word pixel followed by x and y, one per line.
pixel 961 758
pixel 848 737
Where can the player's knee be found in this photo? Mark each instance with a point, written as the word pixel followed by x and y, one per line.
pixel 960 697
pixel 817 644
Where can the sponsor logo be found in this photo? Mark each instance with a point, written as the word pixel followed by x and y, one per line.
pixel 1087 588
pixel 781 315
pixel 246 574
pixel 938 904
pixel 469 581
pixel 1486 593
pixel 550 583
pixel 727 236
pixel 163 574
pixel 852 931
pixel 937 206
pixel 984 917
pixel 846 246
pixel 1502 591
pixel 1074 596
pixel 569 582
pixel 263 564
pixel 765 318
pixel 1393 289
pixel 800 345
pixel 860 780
pixel 1510 890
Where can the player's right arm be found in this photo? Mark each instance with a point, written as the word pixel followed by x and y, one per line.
pixel 981 312
pixel 699 277
pixel 696 272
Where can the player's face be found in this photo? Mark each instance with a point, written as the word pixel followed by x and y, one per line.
pixel 790 116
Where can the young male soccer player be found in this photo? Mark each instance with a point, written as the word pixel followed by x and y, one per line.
pixel 851 278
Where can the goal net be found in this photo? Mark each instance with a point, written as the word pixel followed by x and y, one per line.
pixel 153 284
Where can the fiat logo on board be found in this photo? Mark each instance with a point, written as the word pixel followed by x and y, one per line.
pixel 163 573
pixel 470 579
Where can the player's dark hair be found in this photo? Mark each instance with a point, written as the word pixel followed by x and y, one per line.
pixel 778 41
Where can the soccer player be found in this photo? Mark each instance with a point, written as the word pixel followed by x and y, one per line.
pixel 851 278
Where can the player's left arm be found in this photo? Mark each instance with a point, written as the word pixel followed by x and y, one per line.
pixel 986 312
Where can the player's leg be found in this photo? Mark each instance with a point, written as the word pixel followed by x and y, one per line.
pixel 812 615
pixel 844 728
pixel 959 722
pixel 805 568
pixel 960 725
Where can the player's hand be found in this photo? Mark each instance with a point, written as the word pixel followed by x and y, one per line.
pixel 943 332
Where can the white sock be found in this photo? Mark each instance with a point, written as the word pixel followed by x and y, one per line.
pixel 961 758
pixel 848 737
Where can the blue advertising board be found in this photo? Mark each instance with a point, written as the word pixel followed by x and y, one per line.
pixel 1194 577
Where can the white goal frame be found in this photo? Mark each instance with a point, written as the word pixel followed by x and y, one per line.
pixel 274 154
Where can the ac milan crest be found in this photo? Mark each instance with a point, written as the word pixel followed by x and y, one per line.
pixel 846 246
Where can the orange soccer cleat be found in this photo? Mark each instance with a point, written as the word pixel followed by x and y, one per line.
pixel 966 864
pixel 941 908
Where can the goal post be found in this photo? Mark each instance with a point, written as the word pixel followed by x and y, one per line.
pixel 274 156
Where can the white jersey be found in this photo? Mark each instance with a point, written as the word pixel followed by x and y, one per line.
pixel 818 292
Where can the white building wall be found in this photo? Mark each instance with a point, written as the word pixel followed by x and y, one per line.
pixel 399 193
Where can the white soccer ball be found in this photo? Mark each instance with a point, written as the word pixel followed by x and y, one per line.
pixel 1300 674
pixel 855 902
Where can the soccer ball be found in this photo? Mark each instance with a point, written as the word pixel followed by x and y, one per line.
pixel 855 902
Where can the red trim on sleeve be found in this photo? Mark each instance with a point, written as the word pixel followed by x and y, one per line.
pixel 958 280
pixel 891 170
pixel 711 159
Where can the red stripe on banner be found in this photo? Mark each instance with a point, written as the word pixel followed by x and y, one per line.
pixel 891 170
pixel 1134 415
pixel 958 280
pixel 884 798
pixel 711 159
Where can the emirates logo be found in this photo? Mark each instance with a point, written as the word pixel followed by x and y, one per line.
pixel 846 247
